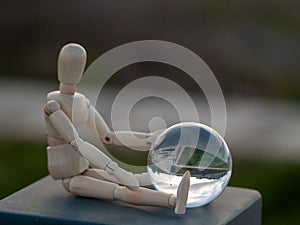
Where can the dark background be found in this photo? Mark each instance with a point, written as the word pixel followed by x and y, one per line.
pixel 252 47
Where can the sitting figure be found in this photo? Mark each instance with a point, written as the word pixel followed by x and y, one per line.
pixel 70 157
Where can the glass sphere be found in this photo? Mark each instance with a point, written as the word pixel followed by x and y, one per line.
pixel 194 147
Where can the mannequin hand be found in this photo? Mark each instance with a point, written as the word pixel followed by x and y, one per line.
pixel 124 177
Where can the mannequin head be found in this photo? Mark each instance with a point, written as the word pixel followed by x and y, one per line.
pixel 71 64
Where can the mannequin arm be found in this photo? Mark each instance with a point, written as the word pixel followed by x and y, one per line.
pixel 136 140
pixel 92 154
pixel 97 124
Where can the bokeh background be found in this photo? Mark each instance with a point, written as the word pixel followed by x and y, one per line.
pixel 252 46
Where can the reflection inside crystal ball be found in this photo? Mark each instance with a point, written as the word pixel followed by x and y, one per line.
pixel 194 147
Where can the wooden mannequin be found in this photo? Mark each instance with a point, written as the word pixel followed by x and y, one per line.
pixel 70 157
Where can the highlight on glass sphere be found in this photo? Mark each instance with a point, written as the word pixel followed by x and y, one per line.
pixel 194 147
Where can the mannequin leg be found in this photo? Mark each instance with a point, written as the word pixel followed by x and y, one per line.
pixel 86 186
pixel 143 178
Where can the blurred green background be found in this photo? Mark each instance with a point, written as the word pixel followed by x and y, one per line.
pixel 253 48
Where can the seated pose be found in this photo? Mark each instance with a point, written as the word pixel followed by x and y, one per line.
pixel 70 157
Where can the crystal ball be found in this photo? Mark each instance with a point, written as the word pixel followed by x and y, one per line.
pixel 194 147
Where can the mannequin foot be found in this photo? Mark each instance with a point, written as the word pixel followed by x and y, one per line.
pixel 182 193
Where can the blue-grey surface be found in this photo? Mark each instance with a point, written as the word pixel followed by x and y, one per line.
pixel 46 202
